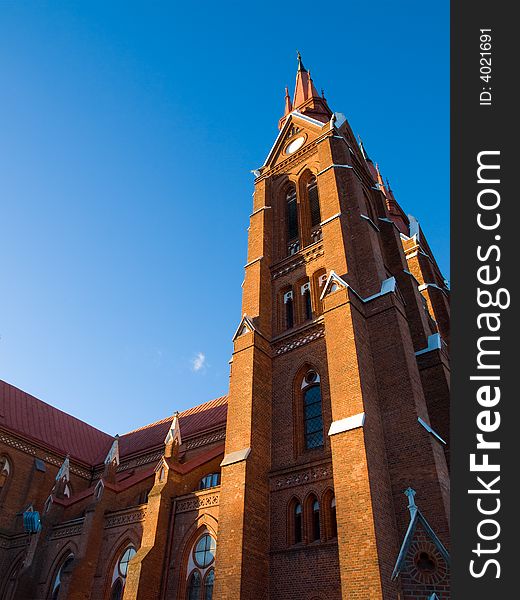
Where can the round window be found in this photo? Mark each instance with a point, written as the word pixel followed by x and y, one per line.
pixel 125 559
pixel 311 377
pixel 425 563
pixel 204 553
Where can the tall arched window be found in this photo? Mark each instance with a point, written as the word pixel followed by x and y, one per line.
pixel 12 581
pixel 200 574
pixel 298 523
pixel 306 301
pixel 333 519
pixel 57 582
pixel 316 530
pixel 291 217
pixel 209 582
pixel 288 302
pixel 120 572
pixel 314 202
pixel 312 410
pixel 5 471
pixel 194 585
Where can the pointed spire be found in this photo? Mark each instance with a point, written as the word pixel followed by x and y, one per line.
pixel 304 88
pixel 288 103
pixel 380 182
pixel 113 453
pixel 64 472
pixel 174 433
pixel 363 151
pixel 300 64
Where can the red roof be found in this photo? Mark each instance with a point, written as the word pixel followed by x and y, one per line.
pixel 209 415
pixel 33 419
pixel 36 420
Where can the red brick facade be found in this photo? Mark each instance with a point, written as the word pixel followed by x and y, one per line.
pixel 338 402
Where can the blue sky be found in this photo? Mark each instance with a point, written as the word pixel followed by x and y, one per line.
pixel 128 133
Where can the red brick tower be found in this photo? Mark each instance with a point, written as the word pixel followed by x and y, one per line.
pixel 338 398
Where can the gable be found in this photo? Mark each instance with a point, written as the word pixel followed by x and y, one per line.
pixel 298 132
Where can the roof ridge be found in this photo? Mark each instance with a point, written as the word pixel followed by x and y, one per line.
pixel 54 408
pixel 184 413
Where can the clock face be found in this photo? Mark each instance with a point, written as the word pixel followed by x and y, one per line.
pixel 295 145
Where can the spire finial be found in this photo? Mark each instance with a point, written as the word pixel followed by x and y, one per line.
pixel 300 63
pixel 410 494
pixel 174 432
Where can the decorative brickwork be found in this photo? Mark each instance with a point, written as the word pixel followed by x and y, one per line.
pixel 298 474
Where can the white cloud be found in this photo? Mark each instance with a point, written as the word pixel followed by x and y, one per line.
pixel 198 362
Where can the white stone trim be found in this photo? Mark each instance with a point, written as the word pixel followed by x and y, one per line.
pixel 430 429
pixel 255 212
pixel 235 457
pixel 367 218
pixel 253 262
pixel 347 424
pixel 333 166
pixel 330 219
pixel 434 343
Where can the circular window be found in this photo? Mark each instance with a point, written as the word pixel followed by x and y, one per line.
pixel 204 553
pixel 295 145
pixel 311 377
pixel 425 563
pixel 125 559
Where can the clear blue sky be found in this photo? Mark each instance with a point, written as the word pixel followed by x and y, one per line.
pixel 127 134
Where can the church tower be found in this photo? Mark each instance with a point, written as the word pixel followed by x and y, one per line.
pixel 339 397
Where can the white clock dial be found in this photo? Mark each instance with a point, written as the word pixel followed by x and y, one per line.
pixel 295 145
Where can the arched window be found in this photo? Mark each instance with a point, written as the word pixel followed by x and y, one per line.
pixel 120 572
pixel 298 523
pixel 312 411
pixel 209 481
pixel 209 582
pixel 5 471
pixel 333 519
pixel 57 582
pixel 200 574
pixel 204 553
pixel 307 302
pixel 194 585
pixel 316 532
pixel 291 217
pixel 314 202
pixel 288 301
pixel 12 581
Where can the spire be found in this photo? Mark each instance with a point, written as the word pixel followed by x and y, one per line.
pixel 113 453
pixel 288 103
pixel 363 151
pixel 300 64
pixel 173 439
pixel 380 181
pixel 304 85
pixel 174 433
pixel 64 471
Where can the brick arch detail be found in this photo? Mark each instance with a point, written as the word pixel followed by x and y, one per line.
pixel 126 538
pixel 201 524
